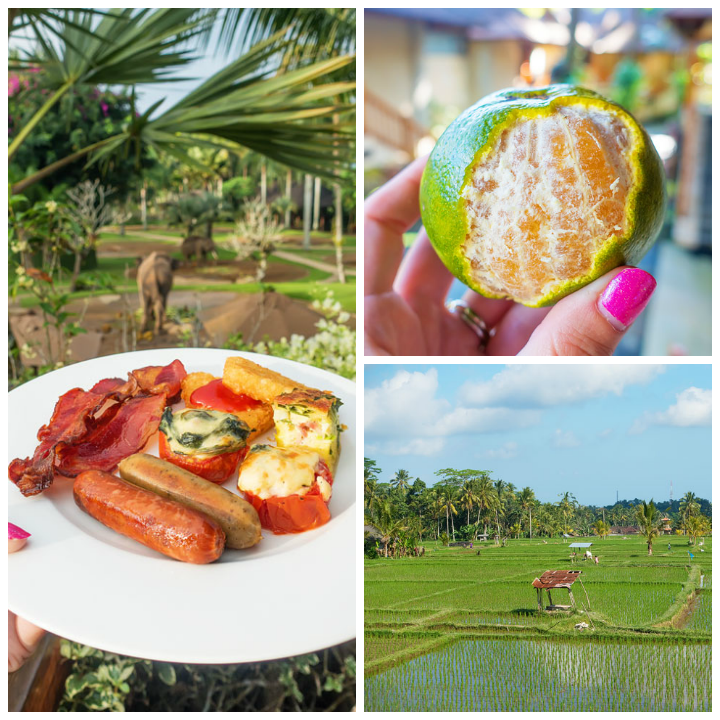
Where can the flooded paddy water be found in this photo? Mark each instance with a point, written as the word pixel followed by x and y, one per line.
pixel 544 675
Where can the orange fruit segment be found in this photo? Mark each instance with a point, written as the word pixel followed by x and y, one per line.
pixel 531 195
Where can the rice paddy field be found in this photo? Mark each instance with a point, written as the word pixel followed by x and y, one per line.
pixel 459 630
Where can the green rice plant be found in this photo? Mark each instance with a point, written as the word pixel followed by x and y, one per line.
pixel 701 612
pixel 531 675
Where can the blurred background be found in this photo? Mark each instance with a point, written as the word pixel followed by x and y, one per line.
pixel 423 67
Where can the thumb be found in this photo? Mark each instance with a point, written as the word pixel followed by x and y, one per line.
pixel 593 320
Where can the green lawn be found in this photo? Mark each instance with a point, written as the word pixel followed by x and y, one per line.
pixel 306 289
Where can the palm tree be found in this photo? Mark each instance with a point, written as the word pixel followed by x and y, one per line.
pixel 696 527
pixel 401 480
pixel 689 507
pixel 527 500
pixel 436 509
pixel 289 114
pixel 567 507
pixel 648 519
pixel 486 495
pixel 602 529
pixel 504 493
pixel 449 497
pixel 468 498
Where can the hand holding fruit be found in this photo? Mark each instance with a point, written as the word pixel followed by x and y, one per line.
pixel 405 311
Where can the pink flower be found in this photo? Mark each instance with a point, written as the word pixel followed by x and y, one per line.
pixel 13 85
pixel 104 107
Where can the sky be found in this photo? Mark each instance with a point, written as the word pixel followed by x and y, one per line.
pixel 593 430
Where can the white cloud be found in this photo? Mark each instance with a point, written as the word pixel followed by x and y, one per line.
pixel 479 420
pixel 505 452
pixel 405 405
pixel 605 433
pixel 417 446
pixel 404 416
pixel 565 439
pixel 548 385
pixel 693 408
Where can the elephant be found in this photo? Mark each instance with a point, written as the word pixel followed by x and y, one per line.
pixel 198 246
pixel 155 279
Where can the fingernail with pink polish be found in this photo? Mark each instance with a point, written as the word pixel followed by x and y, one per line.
pixel 16 533
pixel 626 297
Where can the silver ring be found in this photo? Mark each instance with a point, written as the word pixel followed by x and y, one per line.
pixel 471 319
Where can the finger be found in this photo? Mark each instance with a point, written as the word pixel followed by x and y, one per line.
pixel 29 634
pixel 422 274
pixel 23 638
pixel 491 311
pixel 514 329
pixel 593 320
pixel 17 537
pixel 389 212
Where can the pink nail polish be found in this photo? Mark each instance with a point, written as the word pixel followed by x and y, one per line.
pixel 626 296
pixel 16 533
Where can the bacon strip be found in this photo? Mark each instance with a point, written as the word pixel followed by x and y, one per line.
pixel 69 423
pixel 126 433
pixel 106 419
pixel 156 379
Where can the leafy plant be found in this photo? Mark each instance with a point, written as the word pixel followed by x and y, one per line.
pixel 101 681
pixel 332 348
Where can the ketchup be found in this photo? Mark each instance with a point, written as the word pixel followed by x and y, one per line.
pixel 216 396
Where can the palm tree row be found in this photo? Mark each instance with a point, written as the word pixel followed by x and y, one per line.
pixel 468 504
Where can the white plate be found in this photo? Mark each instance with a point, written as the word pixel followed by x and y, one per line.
pixel 290 594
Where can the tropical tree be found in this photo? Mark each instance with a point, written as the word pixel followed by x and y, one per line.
pixel 696 526
pixel 648 519
pixel 602 529
pixel 527 501
pixel 194 210
pixel 401 480
pixel 486 496
pixel 287 113
pixel 449 499
pixel 567 506
pixel 689 508
pixel 468 499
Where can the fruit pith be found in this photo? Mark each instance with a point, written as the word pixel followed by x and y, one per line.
pixel 557 187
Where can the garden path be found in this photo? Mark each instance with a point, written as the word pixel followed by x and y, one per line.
pixel 317 264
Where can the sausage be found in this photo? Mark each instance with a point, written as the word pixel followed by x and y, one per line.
pixel 163 525
pixel 238 519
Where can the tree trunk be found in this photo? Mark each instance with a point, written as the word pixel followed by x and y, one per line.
pixel 307 212
pixel 452 522
pixel 262 268
pixel 76 270
pixel 531 523
pixel 263 182
pixel 208 228
pixel 338 237
pixel 316 205
pixel 143 205
pixel 649 548
pixel 288 195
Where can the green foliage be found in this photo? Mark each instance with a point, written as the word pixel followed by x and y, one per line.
pixel 101 681
pixel 236 191
pixel 86 115
pixel 444 539
pixel 332 348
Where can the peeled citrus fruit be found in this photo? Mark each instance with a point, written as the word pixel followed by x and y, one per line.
pixel 531 194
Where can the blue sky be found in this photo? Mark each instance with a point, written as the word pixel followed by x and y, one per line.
pixel 589 429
